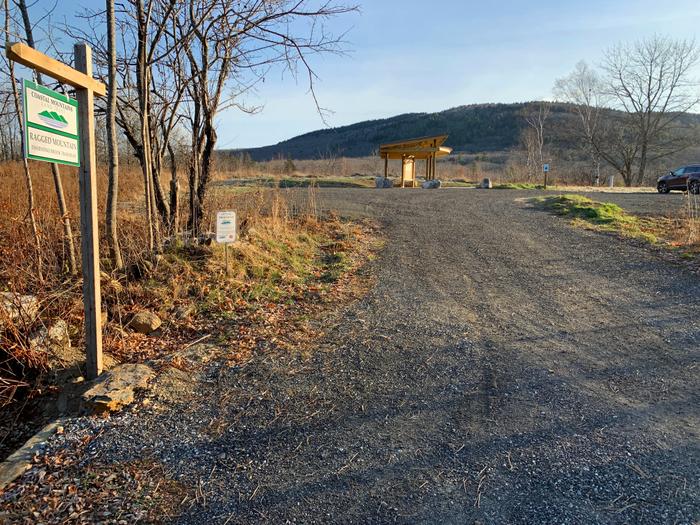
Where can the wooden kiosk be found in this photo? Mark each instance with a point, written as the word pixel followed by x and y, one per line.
pixel 411 150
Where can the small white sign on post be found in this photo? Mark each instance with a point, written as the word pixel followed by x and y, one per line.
pixel 545 168
pixel 226 230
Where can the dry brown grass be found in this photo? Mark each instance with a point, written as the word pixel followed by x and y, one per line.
pixel 58 292
pixel 282 255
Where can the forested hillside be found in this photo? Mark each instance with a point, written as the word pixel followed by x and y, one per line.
pixel 471 129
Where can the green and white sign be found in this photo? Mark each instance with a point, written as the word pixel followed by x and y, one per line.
pixel 50 125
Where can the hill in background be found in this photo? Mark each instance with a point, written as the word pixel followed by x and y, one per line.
pixel 475 128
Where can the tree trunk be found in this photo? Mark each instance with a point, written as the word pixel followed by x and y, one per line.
pixel 627 175
pixel 195 205
pixel 207 160
pixel 200 174
pixel 161 202
pixel 642 164
pixel 174 219
pixel 143 84
pixel 65 219
pixel 112 144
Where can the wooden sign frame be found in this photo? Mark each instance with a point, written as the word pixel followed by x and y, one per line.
pixel 86 87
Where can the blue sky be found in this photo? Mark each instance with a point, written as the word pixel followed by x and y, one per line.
pixel 409 56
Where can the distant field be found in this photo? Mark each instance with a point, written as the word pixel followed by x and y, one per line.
pixel 243 181
pixel 504 168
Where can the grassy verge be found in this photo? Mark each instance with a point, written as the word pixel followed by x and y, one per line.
pixel 673 233
pixel 518 186
pixel 285 275
pixel 278 272
pixel 286 270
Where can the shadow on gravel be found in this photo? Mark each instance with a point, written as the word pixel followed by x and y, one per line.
pixel 442 447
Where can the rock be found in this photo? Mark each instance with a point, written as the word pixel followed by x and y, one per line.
pixel 16 464
pixel 173 385
pixel 486 184
pixel 24 308
pixel 116 389
pixel 145 322
pixel 381 182
pixel 431 184
pixel 54 342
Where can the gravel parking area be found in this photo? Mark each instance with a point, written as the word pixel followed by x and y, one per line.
pixel 505 368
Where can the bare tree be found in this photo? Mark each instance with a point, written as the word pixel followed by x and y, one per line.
pixel 529 142
pixel 112 142
pixel 9 131
pixel 650 82
pixel 230 45
pixel 583 90
pixel 147 92
pixel 536 116
pixel 184 61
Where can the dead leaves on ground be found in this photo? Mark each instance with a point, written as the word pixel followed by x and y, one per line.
pixel 71 486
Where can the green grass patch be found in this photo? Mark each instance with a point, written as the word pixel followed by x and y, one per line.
pixel 601 216
pixel 336 265
pixel 518 186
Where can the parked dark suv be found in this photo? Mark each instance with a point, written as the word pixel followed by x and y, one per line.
pixel 686 178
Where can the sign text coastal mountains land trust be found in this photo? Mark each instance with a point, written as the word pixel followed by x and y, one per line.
pixel 51 125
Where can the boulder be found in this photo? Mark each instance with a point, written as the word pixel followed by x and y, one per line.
pixel 486 184
pixel 117 388
pixel 54 341
pixel 381 182
pixel 145 322
pixel 431 184
pixel 22 308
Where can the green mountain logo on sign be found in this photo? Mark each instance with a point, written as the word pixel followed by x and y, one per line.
pixel 53 119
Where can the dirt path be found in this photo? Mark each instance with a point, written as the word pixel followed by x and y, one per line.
pixel 506 368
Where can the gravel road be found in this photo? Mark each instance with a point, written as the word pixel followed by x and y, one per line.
pixel 505 368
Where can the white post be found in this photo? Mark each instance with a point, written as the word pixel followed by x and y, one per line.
pixel 88 216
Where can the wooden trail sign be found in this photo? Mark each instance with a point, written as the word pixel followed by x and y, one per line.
pixel 86 86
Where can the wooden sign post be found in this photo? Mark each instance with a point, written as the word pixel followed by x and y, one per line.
pixel 86 86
